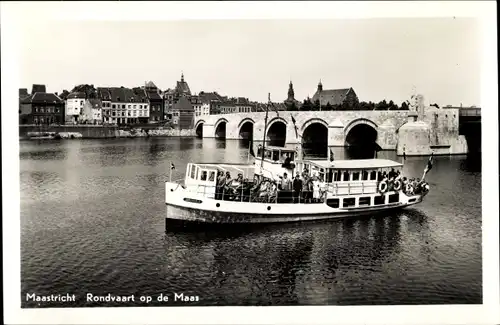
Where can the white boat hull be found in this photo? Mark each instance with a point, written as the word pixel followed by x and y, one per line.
pixel 184 205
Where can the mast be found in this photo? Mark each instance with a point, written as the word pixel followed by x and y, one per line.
pixel 265 126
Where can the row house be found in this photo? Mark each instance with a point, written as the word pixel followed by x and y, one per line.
pixel 197 105
pixel 91 112
pixel 123 105
pixel 209 102
pixel 156 105
pixel 42 108
pixel 74 106
pixel 234 105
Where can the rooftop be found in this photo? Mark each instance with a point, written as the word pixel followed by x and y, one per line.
pixel 356 163
pixel 332 96
pixel 44 98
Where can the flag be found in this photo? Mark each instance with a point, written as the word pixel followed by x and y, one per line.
pixel 172 166
pixel 295 127
pixel 331 155
pixel 429 166
pixel 429 163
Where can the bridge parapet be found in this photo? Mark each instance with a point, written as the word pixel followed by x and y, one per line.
pixel 443 125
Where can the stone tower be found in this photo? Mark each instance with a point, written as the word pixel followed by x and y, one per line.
pixel 291 93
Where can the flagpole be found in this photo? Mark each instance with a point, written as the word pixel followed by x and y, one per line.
pixel 265 126
pixel 170 173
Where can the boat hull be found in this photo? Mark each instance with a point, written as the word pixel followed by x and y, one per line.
pixel 189 207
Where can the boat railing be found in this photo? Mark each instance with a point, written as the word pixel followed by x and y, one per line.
pixel 348 188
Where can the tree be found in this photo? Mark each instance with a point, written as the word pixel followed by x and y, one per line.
pixel 328 107
pixel 316 105
pixel 404 106
pixel 307 105
pixel 381 106
pixel 293 107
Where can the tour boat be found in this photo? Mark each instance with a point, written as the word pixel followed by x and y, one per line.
pixel 348 188
pixel 261 194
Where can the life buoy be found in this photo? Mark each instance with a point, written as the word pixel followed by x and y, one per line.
pixel 382 187
pixel 425 188
pixel 397 185
pixel 409 189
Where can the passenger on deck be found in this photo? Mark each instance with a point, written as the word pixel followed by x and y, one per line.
pixel 285 188
pixel 219 185
pixel 297 188
pixel 287 162
pixel 316 189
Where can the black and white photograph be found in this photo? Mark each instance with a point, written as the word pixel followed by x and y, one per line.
pixel 192 155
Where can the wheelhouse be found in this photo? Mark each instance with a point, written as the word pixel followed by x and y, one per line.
pixel 276 162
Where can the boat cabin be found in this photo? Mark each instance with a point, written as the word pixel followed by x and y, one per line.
pixel 202 178
pixel 276 162
pixel 345 177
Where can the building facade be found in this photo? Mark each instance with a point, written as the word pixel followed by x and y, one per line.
pixel 46 108
pixel 335 97
pixel 154 97
pixel 91 112
pixel 74 107
pixel 123 105
pixel 183 114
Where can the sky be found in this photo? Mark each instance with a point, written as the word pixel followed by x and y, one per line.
pixel 388 58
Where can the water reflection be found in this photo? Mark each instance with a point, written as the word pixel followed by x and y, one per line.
pixel 95 221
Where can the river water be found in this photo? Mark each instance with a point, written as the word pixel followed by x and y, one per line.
pixel 92 221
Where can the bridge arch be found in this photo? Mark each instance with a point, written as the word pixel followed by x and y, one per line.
pixel 315 138
pixel 359 121
pixel 276 131
pixel 245 128
pixel 361 139
pixel 220 128
pixel 199 128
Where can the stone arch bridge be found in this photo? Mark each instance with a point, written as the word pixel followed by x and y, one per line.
pixel 334 128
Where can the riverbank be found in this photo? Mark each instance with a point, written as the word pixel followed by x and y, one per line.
pixel 27 132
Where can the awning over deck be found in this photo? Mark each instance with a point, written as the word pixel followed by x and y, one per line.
pixel 232 168
pixel 355 164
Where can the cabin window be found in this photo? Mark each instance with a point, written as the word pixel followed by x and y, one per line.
pixel 379 200
pixel 197 172
pixel 333 203
pixel 349 202
pixel 203 175
pixel 394 198
pixel 346 176
pixel 276 155
pixel 373 175
pixel 212 176
pixel 330 174
pixel 365 175
pixel 268 154
pixel 337 176
pixel 379 174
pixel 355 176
pixel 364 201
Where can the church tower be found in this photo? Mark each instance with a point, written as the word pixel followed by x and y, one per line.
pixel 320 86
pixel 291 93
